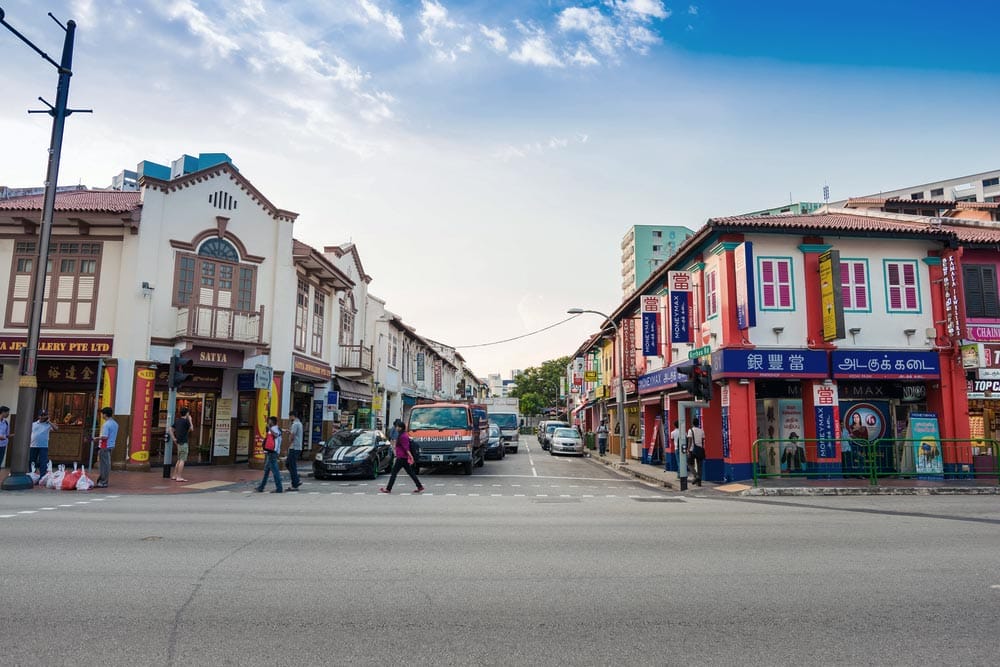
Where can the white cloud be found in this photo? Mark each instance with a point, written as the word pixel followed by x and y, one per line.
pixel 624 29
pixel 643 8
pixel 436 21
pixel 582 57
pixel 693 10
pixel 595 25
pixel 536 50
pixel 495 38
pixel 199 25
pixel 510 152
pixel 383 17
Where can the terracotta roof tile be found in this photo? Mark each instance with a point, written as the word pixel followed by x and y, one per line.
pixel 977 205
pixel 90 201
pixel 830 222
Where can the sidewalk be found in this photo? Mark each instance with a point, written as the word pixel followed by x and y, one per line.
pixel 656 475
pixel 199 479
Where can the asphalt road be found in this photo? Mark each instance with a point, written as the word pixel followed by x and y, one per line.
pixel 530 561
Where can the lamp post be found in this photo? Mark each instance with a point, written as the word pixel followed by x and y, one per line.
pixel 28 380
pixel 621 378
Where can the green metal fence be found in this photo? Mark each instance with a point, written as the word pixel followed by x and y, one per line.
pixel 928 458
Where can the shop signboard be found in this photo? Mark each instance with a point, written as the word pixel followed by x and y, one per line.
pixel 223 427
pixel 317 422
pixel 680 306
pixel 658 379
pixel 213 357
pixel 650 325
pixel 590 376
pixel 951 283
pixel 109 386
pixel 262 376
pixel 986 333
pixel 726 444
pixel 48 346
pixel 826 406
pixel 972 355
pixel 268 403
pixel 830 296
pixel 885 364
pixel 144 385
pixel 746 308
pixel 770 363
pixel 628 341
pixel 311 368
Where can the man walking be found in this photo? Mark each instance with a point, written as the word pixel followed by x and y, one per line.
pixel 272 447
pixel 294 450
pixel 4 432
pixel 180 430
pixel 602 437
pixel 39 447
pixel 109 435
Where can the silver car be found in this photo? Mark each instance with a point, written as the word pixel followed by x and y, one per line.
pixel 566 441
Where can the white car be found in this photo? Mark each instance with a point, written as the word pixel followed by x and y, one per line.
pixel 566 441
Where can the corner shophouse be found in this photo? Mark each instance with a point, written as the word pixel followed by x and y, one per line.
pixel 197 260
pixel 755 303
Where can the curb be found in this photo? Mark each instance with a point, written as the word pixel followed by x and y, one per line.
pixel 876 491
pixel 625 470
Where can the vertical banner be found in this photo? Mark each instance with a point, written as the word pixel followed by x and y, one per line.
pixel 223 427
pixel 562 388
pixel 790 431
pixel 317 423
pixel 420 366
pixel 650 325
pixel 142 413
pixel 826 405
pixel 268 403
pixel 438 370
pixel 746 308
pixel 724 399
pixel 951 283
pixel 628 343
pixel 680 306
pixel 926 440
pixel 578 370
pixel 109 384
pixel 830 295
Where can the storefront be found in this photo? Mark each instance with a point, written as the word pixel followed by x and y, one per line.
pixel 355 403
pixel 657 422
pixel 200 395
pixel 310 379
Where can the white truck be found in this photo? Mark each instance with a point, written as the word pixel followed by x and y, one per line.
pixel 505 412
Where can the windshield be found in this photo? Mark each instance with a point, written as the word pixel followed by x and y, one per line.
pixel 494 430
pixel 551 427
pixel 438 418
pixel 357 438
pixel 504 419
pixel 566 433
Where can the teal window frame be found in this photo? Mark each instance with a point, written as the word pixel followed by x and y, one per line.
pixel 916 284
pixel 761 304
pixel 868 285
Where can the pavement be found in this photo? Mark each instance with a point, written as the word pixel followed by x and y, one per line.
pixel 654 474
pixel 201 479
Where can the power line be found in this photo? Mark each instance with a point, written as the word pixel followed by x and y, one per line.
pixel 507 340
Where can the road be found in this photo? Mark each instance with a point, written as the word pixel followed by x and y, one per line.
pixel 530 561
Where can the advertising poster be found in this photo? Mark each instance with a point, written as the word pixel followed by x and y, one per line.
pixel 926 437
pixel 317 422
pixel 109 385
pixel 223 427
pixel 268 403
pixel 827 412
pixel 863 421
pixel 790 429
pixel 746 311
pixel 142 414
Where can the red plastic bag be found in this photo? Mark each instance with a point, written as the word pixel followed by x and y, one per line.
pixel 70 480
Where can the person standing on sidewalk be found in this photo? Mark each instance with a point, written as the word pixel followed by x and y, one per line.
pixel 180 430
pixel 696 449
pixel 602 437
pixel 404 460
pixel 294 450
pixel 39 447
pixel 108 437
pixel 675 443
pixel 271 456
pixel 4 432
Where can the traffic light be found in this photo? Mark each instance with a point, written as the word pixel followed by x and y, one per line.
pixel 690 371
pixel 704 382
pixel 180 371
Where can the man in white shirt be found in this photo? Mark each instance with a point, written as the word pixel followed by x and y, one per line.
pixel 696 449
pixel 675 442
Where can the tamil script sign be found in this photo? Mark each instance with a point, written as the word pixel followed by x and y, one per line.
pixel 887 364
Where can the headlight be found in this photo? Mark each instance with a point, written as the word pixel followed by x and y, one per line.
pixel 463 448
pixel 319 456
pixel 361 459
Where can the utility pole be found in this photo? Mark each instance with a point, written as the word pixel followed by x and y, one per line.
pixel 27 387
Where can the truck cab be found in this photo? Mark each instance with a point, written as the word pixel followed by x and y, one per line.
pixel 449 434
pixel 510 427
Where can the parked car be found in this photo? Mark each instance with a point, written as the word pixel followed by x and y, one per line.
pixel 356 452
pixel 495 445
pixel 545 436
pixel 565 441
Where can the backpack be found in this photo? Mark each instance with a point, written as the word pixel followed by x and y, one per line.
pixel 269 442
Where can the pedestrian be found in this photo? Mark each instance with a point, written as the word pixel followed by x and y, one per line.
pixel 271 456
pixel 394 431
pixel 696 449
pixel 675 441
pixel 404 460
pixel 4 432
pixel 39 447
pixel 180 430
pixel 108 437
pixel 294 450
pixel 602 437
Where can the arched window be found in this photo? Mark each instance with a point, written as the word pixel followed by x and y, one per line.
pixel 219 249
pixel 215 278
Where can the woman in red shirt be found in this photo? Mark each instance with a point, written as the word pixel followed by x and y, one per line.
pixel 404 460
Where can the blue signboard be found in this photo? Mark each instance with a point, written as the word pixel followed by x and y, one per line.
pixel 827 417
pixel 885 364
pixel 725 433
pixel 680 326
pixel 660 379
pixel 317 422
pixel 332 397
pixel 244 382
pixel 650 334
pixel 770 363
pixel 746 310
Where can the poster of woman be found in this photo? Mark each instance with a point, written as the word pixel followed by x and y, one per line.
pixel 864 423
pixel 791 428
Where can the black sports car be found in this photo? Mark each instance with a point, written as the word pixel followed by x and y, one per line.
pixel 355 452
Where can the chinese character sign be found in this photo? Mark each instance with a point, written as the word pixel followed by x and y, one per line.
pixel 680 306
pixel 650 325
pixel 826 407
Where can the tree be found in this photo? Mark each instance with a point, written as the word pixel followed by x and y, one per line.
pixel 538 386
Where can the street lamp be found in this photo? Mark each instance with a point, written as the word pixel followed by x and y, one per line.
pixel 621 377
pixel 28 381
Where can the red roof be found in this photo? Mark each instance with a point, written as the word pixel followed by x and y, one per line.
pixel 828 222
pixel 90 201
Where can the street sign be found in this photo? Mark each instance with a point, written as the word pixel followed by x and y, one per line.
pixel 700 352
pixel 262 377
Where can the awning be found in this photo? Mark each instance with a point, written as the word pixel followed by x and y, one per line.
pixel 354 391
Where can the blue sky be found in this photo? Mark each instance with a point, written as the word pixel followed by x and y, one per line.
pixel 500 150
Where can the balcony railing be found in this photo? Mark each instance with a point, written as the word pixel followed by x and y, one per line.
pixel 356 357
pixel 226 324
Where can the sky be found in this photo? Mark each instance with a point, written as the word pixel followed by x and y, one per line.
pixel 488 157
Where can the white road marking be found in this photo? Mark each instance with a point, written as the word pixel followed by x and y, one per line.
pixel 474 494
pixel 611 495
pixel 496 495
pixel 65 506
pixel 47 508
pixel 27 512
pixel 7 516
pixel 565 495
pixel 337 493
pixel 541 495
pixel 82 502
pixel 451 494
